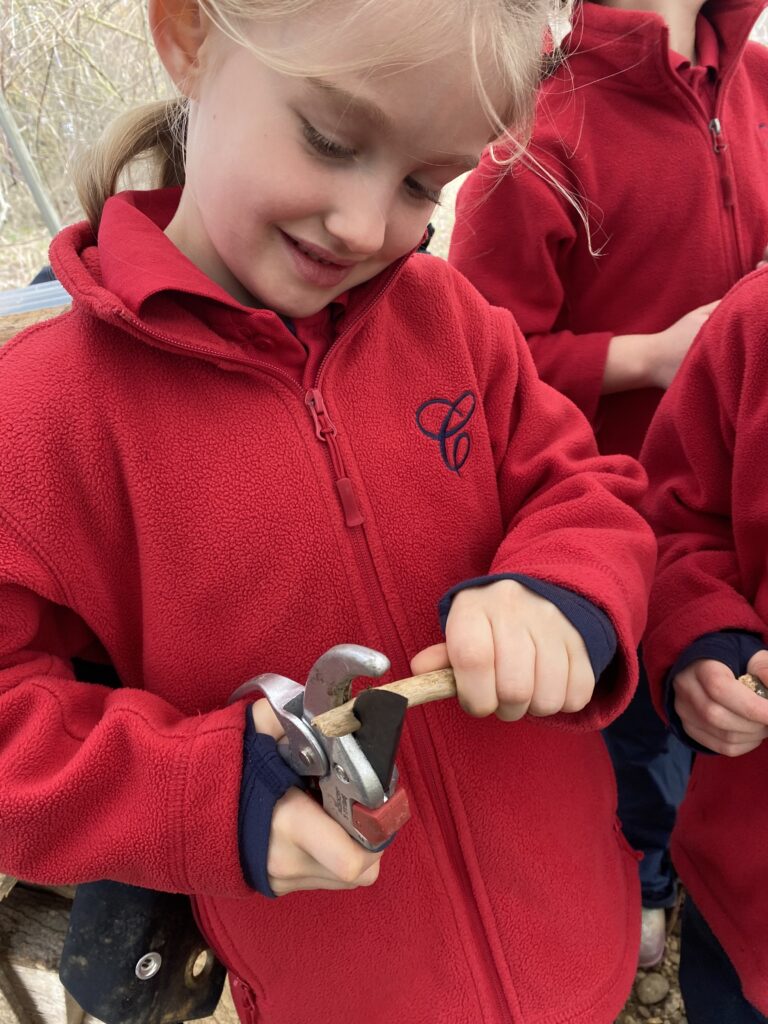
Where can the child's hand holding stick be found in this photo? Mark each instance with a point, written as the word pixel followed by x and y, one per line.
pixel 725 718
pixel 512 653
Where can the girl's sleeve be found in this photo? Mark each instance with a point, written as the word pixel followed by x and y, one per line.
pixel 511 239
pixel 570 513
pixel 100 782
pixel 691 458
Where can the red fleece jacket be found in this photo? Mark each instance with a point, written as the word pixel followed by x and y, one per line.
pixel 705 455
pixel 677 218
pixel 166 504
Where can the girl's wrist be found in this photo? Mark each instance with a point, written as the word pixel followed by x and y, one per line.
pixel 631 363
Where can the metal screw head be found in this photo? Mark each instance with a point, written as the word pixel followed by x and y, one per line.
pixel 306 756
pixel 148 966
pixel 341 775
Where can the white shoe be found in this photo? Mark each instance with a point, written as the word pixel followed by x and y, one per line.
pixel 653 937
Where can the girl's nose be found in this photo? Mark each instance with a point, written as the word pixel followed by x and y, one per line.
pixel 359 219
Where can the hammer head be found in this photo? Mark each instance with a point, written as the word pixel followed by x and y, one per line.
pixel 329 683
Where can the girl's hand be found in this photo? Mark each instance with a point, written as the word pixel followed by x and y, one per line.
pixel 307 848
pixel 720 712
pixel 513 653
pixel 670 347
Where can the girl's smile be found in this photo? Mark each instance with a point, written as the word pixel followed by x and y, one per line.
pixel 317 265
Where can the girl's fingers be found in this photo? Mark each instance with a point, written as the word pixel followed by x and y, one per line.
pixel 470 650
pixel 306 843
pixel 430 659
pixel 550 678
pixel 695 706
pixel 281 887
pixel 720 744
pixel 709 682
pixel 265 720
pixel 515 667
pixel 581 678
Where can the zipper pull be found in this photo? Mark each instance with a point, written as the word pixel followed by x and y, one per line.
pixel 324 425
pixel 716 131
pixel 720 145
pixel 325 429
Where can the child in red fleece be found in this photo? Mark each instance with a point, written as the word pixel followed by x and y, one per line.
pixel 658 122
pixel 269 425
pixel 705 455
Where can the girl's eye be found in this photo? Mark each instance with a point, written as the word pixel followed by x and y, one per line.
pixel 325 146
pixel 419 191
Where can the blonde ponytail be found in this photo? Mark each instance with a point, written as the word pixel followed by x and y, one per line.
pixel 155 133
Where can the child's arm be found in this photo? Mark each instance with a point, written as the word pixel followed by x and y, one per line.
pixel 569 522
pixel 695 457
pixel 717 711
pixel 652 360
pixel 116 783
pixel 512 239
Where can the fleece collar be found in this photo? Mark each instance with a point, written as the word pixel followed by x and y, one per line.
pixel 134 275
pixel 633 46
pixel 707 49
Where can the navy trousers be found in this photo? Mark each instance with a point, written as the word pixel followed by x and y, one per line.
pixel 708 981
pixel 652 768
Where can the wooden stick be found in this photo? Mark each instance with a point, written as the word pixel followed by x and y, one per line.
pixel 418 689
pixel 754 684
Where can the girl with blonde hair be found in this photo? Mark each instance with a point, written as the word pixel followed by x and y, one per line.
pixel 269 425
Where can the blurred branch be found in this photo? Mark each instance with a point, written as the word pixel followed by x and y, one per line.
pixel 28 168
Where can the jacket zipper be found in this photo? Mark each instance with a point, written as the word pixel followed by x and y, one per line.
pixel 720 147
pixel 722 155
pixel 326 432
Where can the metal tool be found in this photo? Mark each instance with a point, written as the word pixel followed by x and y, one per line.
pixel 354 776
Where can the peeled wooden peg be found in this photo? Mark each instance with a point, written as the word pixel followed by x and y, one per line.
pixel 421 689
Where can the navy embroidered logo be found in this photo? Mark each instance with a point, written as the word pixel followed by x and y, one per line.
pixel 444 421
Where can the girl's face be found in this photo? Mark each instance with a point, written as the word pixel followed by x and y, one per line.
pixel 300 188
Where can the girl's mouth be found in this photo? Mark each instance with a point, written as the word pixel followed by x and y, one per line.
pixel 316 265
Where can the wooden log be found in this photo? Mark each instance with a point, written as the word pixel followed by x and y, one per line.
pixel 32 928
pixel 15 322
pixel 33 924
pixel 421 689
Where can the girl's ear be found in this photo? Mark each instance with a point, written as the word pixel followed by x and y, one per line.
pixel 179 29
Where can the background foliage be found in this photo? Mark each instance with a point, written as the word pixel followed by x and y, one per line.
pixel 67 67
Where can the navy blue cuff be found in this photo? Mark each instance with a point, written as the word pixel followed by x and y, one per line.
pixel 266 777
pixel 733 647
pixel 593 624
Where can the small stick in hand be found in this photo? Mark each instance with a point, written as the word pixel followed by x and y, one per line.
pixel 421 689
pixel 754 684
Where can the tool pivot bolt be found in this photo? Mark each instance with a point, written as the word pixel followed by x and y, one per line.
pixel 341 775
pixel 148 966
